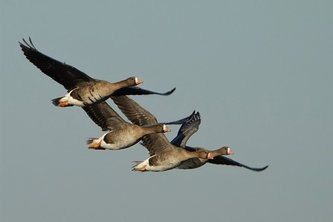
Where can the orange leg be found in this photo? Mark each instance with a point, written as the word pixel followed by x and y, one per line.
pixel 96 146
pixel 142 169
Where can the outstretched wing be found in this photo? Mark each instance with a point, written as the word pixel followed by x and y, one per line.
pixel 156 142
pixel 134 90
pixel 187 129
pixel 104 116
pixel 66 75
pixel 227 161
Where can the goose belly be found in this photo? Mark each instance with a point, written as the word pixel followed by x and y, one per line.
pixel 162 165
pixel 116 142
pixel 159 168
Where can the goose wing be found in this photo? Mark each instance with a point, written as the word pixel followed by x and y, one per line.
pixel 69 76
pixel 134 90
pixel 227 161
pixel 66 75
pixel 156 142
pixel 104 116
pixel 187 129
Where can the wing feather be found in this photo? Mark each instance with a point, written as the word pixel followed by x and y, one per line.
pixel 156 142
pixel 104 116
pixel 187 129
pixel 227 161
pixel 66 75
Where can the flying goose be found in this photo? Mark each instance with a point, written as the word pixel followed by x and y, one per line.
pixel 187 129
pixel 121 134
pixel 82 89
pixel 163 155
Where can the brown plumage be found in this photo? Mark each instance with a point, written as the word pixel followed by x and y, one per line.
pixel 163 155
pixel 187 129
pixel 82 89
pixel 121 134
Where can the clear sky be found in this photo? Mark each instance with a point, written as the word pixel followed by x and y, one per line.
pixel 259 72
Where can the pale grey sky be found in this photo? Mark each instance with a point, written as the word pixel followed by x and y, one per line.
pixel 259 72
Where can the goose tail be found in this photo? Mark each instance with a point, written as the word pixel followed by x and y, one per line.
pixel 139 166
pixel 61 102
pixel 94 143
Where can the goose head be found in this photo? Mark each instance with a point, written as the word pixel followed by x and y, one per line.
pixel 135 80
pixel 165 128
pixel 225 150
pixel 204 154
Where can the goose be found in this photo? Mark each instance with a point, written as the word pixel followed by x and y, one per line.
pixel 82 89
pixel 120 134
pixel 163 155
pixel 187 129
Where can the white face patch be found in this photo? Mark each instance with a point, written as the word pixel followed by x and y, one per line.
pixel 165 128
pixel 138 81
pixel 230 151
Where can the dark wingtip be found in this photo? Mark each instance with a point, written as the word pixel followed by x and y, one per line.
pixel 27 44
pixel 265 167
pixel 169 92
pixel 259 169
pixel 181 121
pixel 134 90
